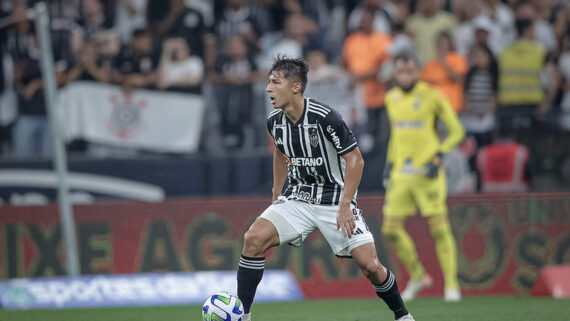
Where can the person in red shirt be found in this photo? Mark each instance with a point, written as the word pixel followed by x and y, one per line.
pixel 504 166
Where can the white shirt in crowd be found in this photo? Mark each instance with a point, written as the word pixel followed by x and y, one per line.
pixel 178 70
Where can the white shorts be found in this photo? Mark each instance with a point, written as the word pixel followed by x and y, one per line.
pixel 295 220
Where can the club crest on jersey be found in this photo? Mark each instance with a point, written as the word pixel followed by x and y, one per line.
pixel 314 138
pixel 417 104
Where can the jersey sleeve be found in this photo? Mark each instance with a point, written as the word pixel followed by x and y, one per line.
pixel 338 133
pixel 270 126
pixel 456 133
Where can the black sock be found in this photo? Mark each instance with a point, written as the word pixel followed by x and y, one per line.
pixel 388 291
pixel 248 277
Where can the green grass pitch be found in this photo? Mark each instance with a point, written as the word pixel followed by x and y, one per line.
pixel 425 309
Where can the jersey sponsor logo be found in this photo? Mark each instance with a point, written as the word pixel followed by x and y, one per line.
pixel 306 161
pixel 306 197
pixel 335 139
pixel 409 124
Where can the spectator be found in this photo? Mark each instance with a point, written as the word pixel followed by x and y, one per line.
pixel 543 31
pixel 130 16
pixel 189 25
pixel 465 33
pixel 332 82
pixel 178 69
pixel 160 14
pixel 64 18
pixel 364 53
pixel 136 65
pixel 294 42
pixel 401 41
pixel 237 20
pixel 425 26
pixel 94 61
pixel 31 136
pixel 233 78
pixel 483 27
pixel 447 71
pixel 93 19
pixel 481 96
pixel 561 22
pixel 520 88
pixel 503 166
pixel 384 15
pixel 502 29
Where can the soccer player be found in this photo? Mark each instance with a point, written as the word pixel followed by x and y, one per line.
pixel 414 176
pixel 318 155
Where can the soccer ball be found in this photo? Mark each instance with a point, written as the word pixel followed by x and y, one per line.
pixel 222 306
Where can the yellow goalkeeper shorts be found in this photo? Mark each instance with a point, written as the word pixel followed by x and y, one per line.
pixel 406 194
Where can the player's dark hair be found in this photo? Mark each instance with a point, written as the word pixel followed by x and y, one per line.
pixel 291 68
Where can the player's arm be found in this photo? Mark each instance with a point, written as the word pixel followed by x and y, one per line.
pixel 455 135
pixel 353 175
pixel 279 173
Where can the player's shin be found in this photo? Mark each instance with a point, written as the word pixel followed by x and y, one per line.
pixel 249 275
pixel 446 249
pixel 389 292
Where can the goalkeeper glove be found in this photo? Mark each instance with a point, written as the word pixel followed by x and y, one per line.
pixel 432 168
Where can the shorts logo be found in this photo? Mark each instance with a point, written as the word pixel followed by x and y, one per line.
pixel 314 138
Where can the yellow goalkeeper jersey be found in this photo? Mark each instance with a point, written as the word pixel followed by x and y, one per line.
pixel 414 140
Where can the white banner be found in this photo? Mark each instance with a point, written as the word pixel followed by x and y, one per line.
pixel 145 119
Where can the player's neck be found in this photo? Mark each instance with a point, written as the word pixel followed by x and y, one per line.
pixel 294 110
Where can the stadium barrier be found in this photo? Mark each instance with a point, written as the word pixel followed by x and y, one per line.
pixel 503 241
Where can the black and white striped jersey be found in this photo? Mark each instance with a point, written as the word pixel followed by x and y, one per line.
pixel 313 148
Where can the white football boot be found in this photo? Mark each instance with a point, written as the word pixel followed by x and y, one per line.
pixel 414 287
pixel 452 295
pixel 246 317
pixel 407 317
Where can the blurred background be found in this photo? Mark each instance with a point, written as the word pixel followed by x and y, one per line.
pixel 162 107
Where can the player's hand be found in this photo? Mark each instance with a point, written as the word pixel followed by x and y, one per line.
pixel 432 168
pixel 386 174
pixel 345 221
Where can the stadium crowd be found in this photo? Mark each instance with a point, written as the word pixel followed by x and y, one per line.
pixel 501 64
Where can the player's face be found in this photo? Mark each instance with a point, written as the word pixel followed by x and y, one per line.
pixel 280 89
pixel 407 74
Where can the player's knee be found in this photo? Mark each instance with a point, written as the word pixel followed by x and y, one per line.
pixel 253 244
pixel 439 226
pixel 371 268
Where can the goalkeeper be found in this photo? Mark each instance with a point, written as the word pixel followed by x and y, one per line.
pixel 414 177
